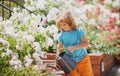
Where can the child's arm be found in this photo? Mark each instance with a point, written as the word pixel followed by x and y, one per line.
pixel 83 44
pixel 59 50
pixel 59 47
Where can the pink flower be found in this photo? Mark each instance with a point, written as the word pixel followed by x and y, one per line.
pixel 111 27
pixel 98 10
pixel 44 22
pixel 103 28
pixel 109 38
pixel 118 9
pixel 111 20
pixel 80 1
pixel 112 10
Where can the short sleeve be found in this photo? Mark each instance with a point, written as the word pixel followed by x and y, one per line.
pixel 60 38
pixel 81 33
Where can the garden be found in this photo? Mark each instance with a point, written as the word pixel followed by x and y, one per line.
pixel 25 38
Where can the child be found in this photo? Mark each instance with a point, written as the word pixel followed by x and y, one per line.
pixel 75 41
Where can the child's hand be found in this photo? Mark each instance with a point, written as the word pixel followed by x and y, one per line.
pixel 71 49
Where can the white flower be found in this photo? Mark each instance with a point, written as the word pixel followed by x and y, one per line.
pixel 49 41
pixel 92 22
pixel 15 9
pixel 15 67
pixel 41 29
pixel 116 3
pixel 29 38
pixel 20 67
pixel 19 35
pixel 115 15
pixel 34 23
pixel 43 54
pixel 28 61
pixel 36 55
pixel 25 20
pixel 36 46
pixel 10 31
pixel 39 61
pixel 27 65
pixel 3 54
pixel 108 1
pixel 15 56
pixel 36 67
pixel 37 58
pixel 1 19
pixel 26 1
pixel 8 23
pixel 4 43
pixel 26 57
pixel 11 62
pixel 55 37
pixel 118 22
pixel 16 63
pixel 95 1
pixel 18 47
pixel 9 52
pixel 52 14
pixel 41 4
pixel 52 29
pixel 30 8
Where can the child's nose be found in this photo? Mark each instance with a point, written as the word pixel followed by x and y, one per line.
pixel 62 26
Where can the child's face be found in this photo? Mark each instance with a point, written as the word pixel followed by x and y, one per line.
pixel 65 27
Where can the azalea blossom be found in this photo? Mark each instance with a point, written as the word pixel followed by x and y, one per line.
pixel 43 54
pixel 4 43
pixel 16 63
pixel 3 54
pixel 55 37
pixel 1 19
pixel 29 38
pixel 116 3
pixel 40 4
pixel 36 67
pixel 10 31
pixel 37 58
pixel 52 14
pixel 36 46
pixel 108 1
pixel 49 41
pixel 28 61
pixel 109 38
pixel 92 22
pixel 9 52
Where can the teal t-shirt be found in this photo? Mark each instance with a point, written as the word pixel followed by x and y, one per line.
pixel 71 38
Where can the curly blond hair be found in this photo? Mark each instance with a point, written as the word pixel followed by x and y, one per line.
pixel 65 17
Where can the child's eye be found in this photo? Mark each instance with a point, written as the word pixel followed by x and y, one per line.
pixel 65 24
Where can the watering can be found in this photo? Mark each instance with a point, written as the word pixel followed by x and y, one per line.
pixel 65 62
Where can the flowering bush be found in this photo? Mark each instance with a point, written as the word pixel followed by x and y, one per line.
pixel 101 27
pixel 113 5
pixel 22 42
pixel 25 37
